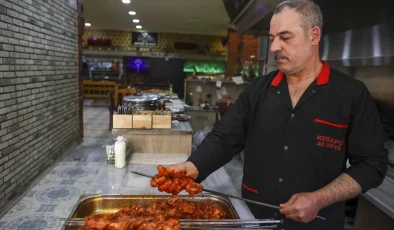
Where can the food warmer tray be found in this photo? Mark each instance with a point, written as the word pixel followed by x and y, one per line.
pixel 89 205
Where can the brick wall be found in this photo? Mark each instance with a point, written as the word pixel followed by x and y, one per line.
pixel 38 88
pixel 250 47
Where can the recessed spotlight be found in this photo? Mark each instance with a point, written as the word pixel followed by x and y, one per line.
pixel 138 27
pixel 132 13
pixel 136 21
pixel 126 1
pixel 88 24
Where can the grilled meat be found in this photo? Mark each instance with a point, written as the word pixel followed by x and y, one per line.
pixel 174 182
pixel 159 216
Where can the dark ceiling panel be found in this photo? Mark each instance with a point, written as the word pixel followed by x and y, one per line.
pixel 338 15
pixel 234 7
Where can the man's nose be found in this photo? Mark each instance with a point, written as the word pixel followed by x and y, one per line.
pixel 275 46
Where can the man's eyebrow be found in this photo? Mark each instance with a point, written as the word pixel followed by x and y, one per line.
pixel 281 33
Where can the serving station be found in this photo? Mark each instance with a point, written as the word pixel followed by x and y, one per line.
pixel 115 189
pixel 153 123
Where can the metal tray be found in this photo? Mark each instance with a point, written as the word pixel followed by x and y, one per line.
pixel 89 205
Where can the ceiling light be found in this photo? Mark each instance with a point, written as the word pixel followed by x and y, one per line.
pixel 88 24
pixel 138 27
pixel 132 12
pixel 126 1
pixel 136 21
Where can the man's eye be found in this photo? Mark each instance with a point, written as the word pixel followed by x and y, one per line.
pixel 285 39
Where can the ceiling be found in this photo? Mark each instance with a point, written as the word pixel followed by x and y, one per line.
pixel 182 16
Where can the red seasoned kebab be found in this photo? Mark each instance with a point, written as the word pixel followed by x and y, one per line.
pixel 158 216
pixel 174 182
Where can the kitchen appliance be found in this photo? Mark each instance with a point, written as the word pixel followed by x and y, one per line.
pixel 91 204
pixel 143 102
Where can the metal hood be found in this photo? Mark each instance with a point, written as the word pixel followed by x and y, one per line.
pixel 359 37
pixel 253 16
pixel 369 46
pixel 355 32
pixel 250 16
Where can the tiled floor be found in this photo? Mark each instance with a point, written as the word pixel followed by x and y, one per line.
pixel 58 191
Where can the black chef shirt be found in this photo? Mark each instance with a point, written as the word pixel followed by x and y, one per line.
pixel 292 150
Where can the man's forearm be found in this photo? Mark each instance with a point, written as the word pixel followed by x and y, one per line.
pixel 341 189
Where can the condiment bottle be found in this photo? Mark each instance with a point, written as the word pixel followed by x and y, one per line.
pixel 162 105
pixel 170 93
pixel 228 101
pixel 120 152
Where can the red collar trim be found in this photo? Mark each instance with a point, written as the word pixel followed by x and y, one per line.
pixel 322 79
pixel 277 79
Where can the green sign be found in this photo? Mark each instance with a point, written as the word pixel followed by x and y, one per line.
pixel 203 66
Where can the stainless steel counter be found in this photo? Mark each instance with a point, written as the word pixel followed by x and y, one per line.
pixel 111 180
pixel 383 196
pixel 375 209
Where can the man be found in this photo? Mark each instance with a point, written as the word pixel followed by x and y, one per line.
pixel 298 126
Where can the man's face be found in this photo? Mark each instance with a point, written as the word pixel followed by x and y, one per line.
pixel 290 44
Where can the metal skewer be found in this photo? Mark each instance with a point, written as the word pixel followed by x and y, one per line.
pixel 196 223
pixel 230 222
pixel 243 199
pixel 231 196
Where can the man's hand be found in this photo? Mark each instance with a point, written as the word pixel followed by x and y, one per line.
pixel 302 207
pixel 187 167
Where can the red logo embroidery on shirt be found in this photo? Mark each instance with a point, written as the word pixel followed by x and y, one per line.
pixel 329 142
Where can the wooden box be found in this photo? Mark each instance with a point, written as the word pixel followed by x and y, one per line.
pixel 122 121
pixel 162 121
pixel 142 120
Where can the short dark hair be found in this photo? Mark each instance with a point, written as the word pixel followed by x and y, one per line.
pixel 310 12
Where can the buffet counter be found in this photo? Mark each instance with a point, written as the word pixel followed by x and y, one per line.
pixel 178 139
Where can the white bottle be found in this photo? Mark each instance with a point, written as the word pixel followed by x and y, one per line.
pixel 120 152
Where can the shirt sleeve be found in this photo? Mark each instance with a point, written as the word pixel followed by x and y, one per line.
pixel 226 139
pixel 367 155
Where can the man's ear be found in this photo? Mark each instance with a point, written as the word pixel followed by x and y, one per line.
pixel 315 35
